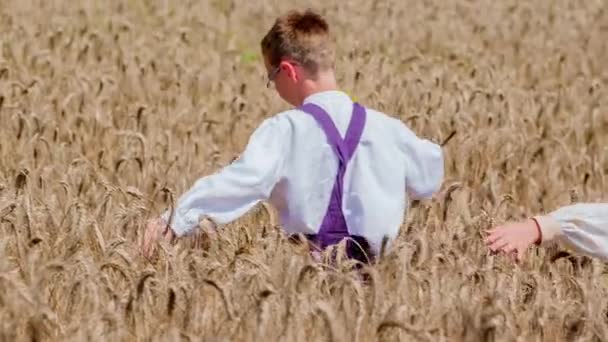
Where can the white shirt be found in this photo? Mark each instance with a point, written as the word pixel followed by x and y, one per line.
pixel 582 227
pixel 289 163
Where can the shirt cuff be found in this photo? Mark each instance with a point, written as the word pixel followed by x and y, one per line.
pixel 550 228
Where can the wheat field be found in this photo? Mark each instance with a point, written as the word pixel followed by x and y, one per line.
pixel 110 110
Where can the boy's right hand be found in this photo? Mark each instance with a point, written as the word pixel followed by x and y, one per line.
pixel 155 229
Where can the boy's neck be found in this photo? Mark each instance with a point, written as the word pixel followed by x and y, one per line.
pixel 325 81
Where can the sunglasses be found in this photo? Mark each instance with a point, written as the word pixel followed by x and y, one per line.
pixel 275 71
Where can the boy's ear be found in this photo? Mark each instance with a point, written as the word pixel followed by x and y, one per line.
pixel 290 70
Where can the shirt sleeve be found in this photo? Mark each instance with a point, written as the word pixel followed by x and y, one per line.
pixel 230 193
pixel 582 227
pixel 424 164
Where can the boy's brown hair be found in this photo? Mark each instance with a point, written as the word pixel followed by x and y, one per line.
pixel 303 37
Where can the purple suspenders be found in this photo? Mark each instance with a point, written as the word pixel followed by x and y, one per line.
pixel 334 228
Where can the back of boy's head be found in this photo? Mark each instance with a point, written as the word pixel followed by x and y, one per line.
pixel 303 37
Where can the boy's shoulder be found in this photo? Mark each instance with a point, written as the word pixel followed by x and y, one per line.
pixel 287 118
pixel 385 121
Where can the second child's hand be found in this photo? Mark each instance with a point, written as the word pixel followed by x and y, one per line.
pixel 514 238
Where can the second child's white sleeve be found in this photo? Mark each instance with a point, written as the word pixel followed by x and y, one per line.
pixel 237 188
pixel 424 165
pixel 582 227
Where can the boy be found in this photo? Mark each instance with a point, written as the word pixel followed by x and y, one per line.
pixel 582 226
pixel 332 168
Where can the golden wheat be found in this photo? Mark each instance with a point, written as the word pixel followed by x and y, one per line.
pixel 111 109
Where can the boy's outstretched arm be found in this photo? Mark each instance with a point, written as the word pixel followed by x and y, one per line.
pixel 229 193
pixel 582 227
pixel 425 165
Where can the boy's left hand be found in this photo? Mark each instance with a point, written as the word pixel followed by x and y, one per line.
pixel 513 238
pixel 155 230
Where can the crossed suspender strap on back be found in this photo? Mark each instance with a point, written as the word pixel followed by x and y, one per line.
pixel 334 227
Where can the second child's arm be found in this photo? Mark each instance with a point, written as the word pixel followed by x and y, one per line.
pixel 582 227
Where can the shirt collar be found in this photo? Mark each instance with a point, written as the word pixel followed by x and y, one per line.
pixel 324 96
